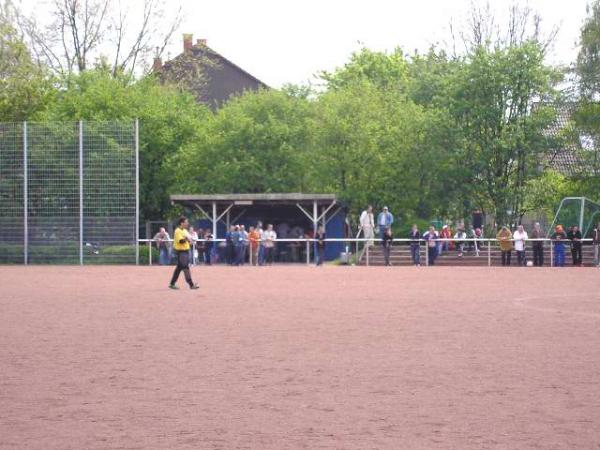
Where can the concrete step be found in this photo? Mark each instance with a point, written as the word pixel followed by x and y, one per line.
pixel 400 256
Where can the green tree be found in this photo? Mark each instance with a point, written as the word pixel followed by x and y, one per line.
pixel 257 142
pixel 587 118
pixel 375 145
pixel 495 100
pixel 25 87
pixel 383 70
pixel 169 119
pixel 588 60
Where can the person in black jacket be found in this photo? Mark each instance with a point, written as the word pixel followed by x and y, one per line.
pixel 415 245
pixel 574 236
pixel 386 242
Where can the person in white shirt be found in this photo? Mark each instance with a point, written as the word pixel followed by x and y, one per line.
pixel 367 224
pixel 461 235
pixel 520 236
pixel 193 252
pixel 269 238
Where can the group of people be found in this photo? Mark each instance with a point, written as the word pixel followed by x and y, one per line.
pixel 445 240
pixel 255 246
pixel 201 246
pixel 560 240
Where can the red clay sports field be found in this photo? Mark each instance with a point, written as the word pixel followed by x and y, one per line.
pixel 300 358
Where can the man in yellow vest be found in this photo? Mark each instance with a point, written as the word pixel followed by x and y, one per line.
pixel 182 245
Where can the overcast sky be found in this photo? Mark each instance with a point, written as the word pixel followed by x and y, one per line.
pixel 288 41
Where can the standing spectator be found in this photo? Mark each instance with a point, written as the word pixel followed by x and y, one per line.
pixel 229 246
pixel 200 246
pixel 415 245
pixel 596 242
pixel 244 242
pixel 320 237
pixel 208 247
pixel 471 243
pixel 520 237
pixel 477 237
pixel 254 238
pixel 193 240
pixel 558 238
pixel 384 220
pixel 504 238
pixel 237 243
pixel 430 238
pixel 460 236
pixel 575 236
pixel 261 246
pixel 269 237
pixel 386 242
pixel 367 225
pixel 538 246
pixel 447 235
pixel 162 239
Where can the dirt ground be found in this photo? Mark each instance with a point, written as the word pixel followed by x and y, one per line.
pixel 300 358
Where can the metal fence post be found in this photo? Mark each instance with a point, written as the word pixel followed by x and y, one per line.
pixel 137 192
pixel 368 254
pixel 426 253
pixel 150 253
pixel 81 192
pixel 551 254
pixel 489 253
pixel 25 199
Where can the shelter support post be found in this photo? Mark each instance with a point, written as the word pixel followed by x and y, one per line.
pixel 307 253
pixel 214 220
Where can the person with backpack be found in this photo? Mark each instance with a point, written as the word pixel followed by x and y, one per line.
pixel 558 238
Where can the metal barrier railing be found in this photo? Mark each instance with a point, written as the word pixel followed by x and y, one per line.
pixel 366 250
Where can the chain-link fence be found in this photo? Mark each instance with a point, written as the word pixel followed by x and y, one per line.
pixel 69 193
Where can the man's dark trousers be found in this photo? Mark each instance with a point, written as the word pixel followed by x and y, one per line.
pixel 183 265
pixel 538 253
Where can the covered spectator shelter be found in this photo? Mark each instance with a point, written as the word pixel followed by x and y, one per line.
pixel 294 215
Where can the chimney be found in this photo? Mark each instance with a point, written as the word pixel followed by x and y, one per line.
pixel 188 42
pixel 201 42
pixel 157 64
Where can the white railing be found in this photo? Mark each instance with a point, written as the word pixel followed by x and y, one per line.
pixel 366 249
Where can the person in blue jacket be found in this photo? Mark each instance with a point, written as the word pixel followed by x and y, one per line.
pixel 385 219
